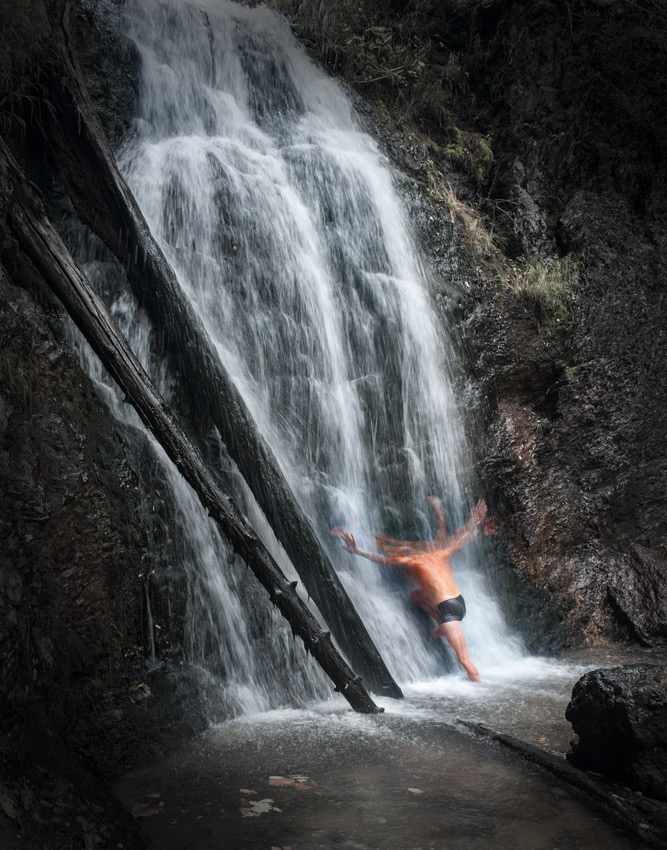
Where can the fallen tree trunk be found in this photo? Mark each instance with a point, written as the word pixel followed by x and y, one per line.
pixel 82 157
pixel 620 813
pixel 44 247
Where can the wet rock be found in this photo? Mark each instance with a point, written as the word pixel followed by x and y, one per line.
pixel 571 448
pixel 70 548
pixel 620 717
pixel 638 594
pixel 110 62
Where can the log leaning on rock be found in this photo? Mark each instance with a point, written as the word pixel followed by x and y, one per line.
pixel 43 245
pixel 86 165
pixel 620 813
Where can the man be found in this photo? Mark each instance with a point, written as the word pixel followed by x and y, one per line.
pixel 427 564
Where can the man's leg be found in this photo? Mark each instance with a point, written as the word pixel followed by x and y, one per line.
pixel 454 634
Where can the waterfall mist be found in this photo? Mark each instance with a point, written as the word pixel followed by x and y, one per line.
pixel 283 224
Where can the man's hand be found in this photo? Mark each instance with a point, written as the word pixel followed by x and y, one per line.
pixel 478 513
pixel 349 543
pixel 490 526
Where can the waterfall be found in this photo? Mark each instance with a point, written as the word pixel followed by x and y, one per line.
pixel 284 226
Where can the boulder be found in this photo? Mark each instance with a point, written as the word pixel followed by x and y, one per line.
pixel 620 717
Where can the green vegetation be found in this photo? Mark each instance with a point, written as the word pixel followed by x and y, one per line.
pixel 397 59
pixel 413 62
pixel 470 152
pixel 376 56
pixel 546 284
pixel 476 233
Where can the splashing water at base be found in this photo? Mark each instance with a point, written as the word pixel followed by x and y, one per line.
pixel 328 778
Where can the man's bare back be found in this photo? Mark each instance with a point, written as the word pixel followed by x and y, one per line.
pixel 432 573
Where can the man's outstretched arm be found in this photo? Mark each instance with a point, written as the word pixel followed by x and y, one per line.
pixel 468 531
pixel 438 507
pixel 350 545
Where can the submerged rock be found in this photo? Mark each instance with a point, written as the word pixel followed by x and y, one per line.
pixel 620 716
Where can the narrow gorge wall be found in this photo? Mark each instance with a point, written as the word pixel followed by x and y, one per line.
pixel 576 449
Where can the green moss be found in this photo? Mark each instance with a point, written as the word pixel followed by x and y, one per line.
pixel 471 152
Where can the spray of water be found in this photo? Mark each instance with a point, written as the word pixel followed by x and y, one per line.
pixel 283 224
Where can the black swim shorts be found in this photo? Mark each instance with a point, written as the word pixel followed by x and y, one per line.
pixel 452 609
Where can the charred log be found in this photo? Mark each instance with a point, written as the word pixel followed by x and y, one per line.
pixel 629 815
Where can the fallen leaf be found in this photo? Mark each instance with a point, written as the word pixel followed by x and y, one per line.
pixel 543 738
pixel 140 691
pixel 294 781
pixel 258 807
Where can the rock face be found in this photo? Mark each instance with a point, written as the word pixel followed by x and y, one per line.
pixel 620 716
pixel 72 544
pixel 72 541
pixel 570 446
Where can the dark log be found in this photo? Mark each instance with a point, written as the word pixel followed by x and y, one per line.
pixel 103 201
pixel 44 247
pixel 621 813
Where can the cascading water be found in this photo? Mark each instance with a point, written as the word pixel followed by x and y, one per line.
pixel 282 222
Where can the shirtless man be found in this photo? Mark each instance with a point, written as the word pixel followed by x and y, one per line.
pixel 428 566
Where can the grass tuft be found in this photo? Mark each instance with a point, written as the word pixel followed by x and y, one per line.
pixel 547 284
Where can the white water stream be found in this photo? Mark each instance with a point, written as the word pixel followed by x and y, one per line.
pixel 282 221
